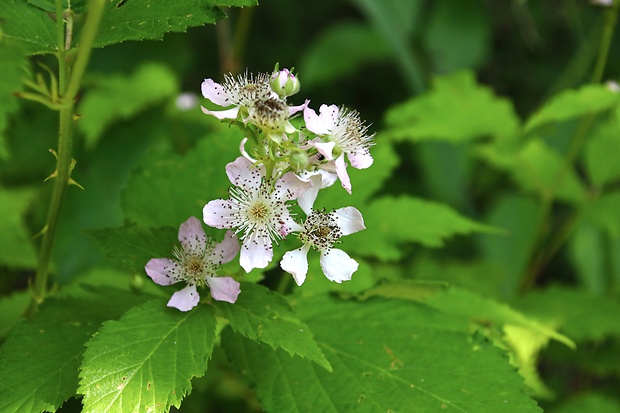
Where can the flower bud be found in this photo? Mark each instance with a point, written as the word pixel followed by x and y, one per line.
pixel 298 160
pixel 284 83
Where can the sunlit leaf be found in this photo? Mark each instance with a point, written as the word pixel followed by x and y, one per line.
pixel 456 109
pixel 394 221
pixel 603 212
pixel 570 104
pixel 145 360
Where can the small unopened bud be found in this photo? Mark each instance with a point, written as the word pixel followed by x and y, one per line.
pixel 298 160
pixel 284 83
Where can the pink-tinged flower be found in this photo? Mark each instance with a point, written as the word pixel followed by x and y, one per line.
pixel 257 209
pixel 342 132
pixel 196 263
pixel 253 101
pixel 321 231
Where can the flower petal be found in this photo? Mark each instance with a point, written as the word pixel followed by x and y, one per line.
pixel 290 187
pixel 185 299
pixel 218 213
pixel 191 235
pixel 337 265
pixel 361 160
pixel 349 220
pixel 216 93
pixel 294 109
pixel 325 148
pixel 226 250
pixel 222 114
pixel 296 263
pixel 306 200
pixel 256 251
pixel 241 173
pixel 315 123
pixel 163 271
pixel 224 288
pixel 341 171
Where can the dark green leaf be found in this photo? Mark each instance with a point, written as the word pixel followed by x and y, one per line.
pixel 146 19
pixel 262 315
pixel 387 356
pixel 16 249
pixel 579 314
pixel 12 64
pixel 133 246
pixel 120 97
pixel 30 27
pixel 40 358
pixel 168 190
pixel 145 360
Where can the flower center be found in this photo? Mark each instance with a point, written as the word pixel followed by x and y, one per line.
pixel 259 212
pixel 321 230
pixel 270 113
pixel 194 265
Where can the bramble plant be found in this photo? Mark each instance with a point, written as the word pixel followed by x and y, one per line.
pixel 226 239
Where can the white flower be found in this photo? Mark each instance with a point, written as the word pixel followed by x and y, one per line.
pixel 321 231
pixel 196 264
pixel 257 209
pixel 253 101
pixel 342 132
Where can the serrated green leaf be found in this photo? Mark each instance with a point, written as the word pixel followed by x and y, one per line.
pixel 40 358
pixel 133 246
pixel 120 97
pixel 579 314
pixel 16 249
pixel 145 360
pixel 146 19
pixel 538 168
pixel 12 63
pixel 30 27
pixel 393 221
pixel 457 109
pixel 387 356
pixel 354 43
pixel 264 316
pixel 602 154
pixel 572 104
pixel 168 190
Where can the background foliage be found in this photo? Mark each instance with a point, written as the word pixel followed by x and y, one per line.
pixel 490 268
